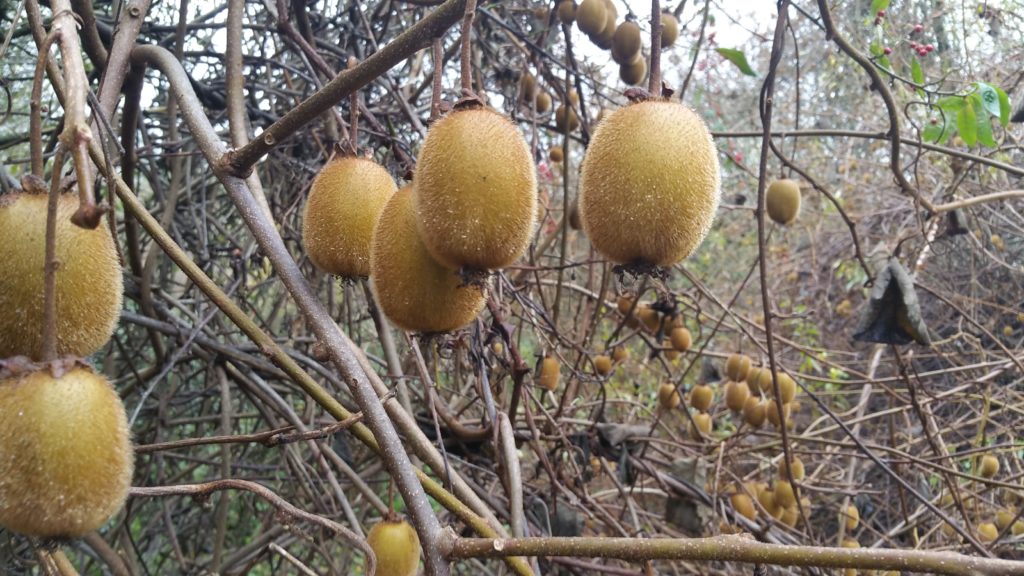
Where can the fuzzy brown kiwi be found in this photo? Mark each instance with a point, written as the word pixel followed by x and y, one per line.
pixel 591 16
pixel 790 516
pixel 65 451
pixel 736 394
pixel 528 88
pixel 396 546
pixel 681 339
pixel 475 191
pixel 543 102
pixel 754 412
pixel 620 353
pixel 649 316
pixel 652 162
pixel 787 388
pixel 850 543
pixel 416 292
pixel 603 364
pixel 89 284
pixel 852 518
pixel 737 366
pixel 987 532
pixel 669 29
pixel 796 468
pixel 766 498
pixel 784 494
pixel 603 39
pixel 344 203
pixel 555 154
pixel 743 505
pixel 783 200
pixel 633 73
pixel 1018 528
pixel 574 214
pixel 988 466
pixel 670 353
pixel 550 372
pixel 626 42
pixel 702 422
pixel 701 397
pixel 560 116
pixel 567 12
pixel 668 396
pixel 1004 518
pixel 753 380
pixel 772 413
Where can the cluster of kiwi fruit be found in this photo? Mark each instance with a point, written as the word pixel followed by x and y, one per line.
pixel 605 363
pixel 598 19
pixel 643 315
pixel 397 547
pixel 533 96
pixel 778 501
pixel 745 386
pixel 65 450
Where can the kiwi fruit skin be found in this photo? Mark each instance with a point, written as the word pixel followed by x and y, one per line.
pixel 650 166
pixel 476 191
pixel 561 113
pixel 566 11
pixel 413 290
pixel 852 518
pixel 344 203
pixel 701 422
pixel 754 412
pixel 555 154
pixel 743 505
pixel 988 466
pixel 737 366
pixel 784 494
pixel 66 457
pixel 796 468
pixel 987 532
pixel 701 397
pixel 620 354
pixel 550 372
pixel 89 283
pixel 668 396
pixel 591 16
pixel 681 339
pixel 626 42
pixel 669 29
pixel 396 546
pixel 543 102
pixel 603 364
pixel 736 394
pixel 783 200
pixel 633 73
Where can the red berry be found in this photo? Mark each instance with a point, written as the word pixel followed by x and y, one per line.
pixel 922 52
pixel 887 50
pixel 881 14
pixel 918 28
pixel 913 45
pixel 934 121
pixel 929 47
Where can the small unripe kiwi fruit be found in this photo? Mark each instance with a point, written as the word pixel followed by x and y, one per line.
pixel 767 500
pixel 753 381
pixel 772 413
pixel 560 115
pixel 737 366
pixel 668 396
pixel 754 412
pixel 852 516
pixel 574 215
pixel 555 154
pixel 550 372
pixel 743 505
pixel 787 388
pixel 785 496
pixel 653 163
pixel 626 42
pixel 988 466
pixel 65 452
pixel 670 353
pixel 702 422
pixel 620 354
pixel 649 316
pixel 591 16
pixel 796 467
pixel 1004 518
pixel 603 364
pixel 633 73
pixel 624 303
pixel 736 395
pixel 413 290
pixel 701 397
pixel 475 191
pixel 987 532
pixel 669 29
pixel 528 88
pixel 790 516
pixel 543 102
pixel 89 282
pixel 396 546
pixel 567 11
pixel 1018 528
pixel 850 543
pixel 344 203
pixel 783 200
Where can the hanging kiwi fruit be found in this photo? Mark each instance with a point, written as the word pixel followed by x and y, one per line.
pixel 397 547
pixel 783 201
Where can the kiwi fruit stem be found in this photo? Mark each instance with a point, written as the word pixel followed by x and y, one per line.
pixel 50 267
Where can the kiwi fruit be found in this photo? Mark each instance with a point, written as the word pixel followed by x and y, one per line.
pixel 1004 518
pixel 1018 528
pixel 743 505
pixel 633 73
pixel 591 16
pixel 796 468
pixel 620 354
pixel 651 166
pixel 65 451
pixel 767 500
pixel 624 303
pixel 754 412
pixel 626 42
pixel 988 466
pixel 670 353
pixel 753 381
pixel 396 546
pixel 603 364
pixel 736 394
pixel 560 116
pixel 475 191
pixel 783 200
pixel 649 316
pixel 701 397
pixel 701 422
pixel 987 532
pixel 850 543
pixel 852 516
pixel 344 203
pixel 772 413
pixel 737 366
pixel 413 290
pixel 89 284
pixel 787 388
pixel 997 242
pixel 790 516
pixel 528 88
pixel 567 11
pixel 785 496
pixel 668 396
pixel 555 154
pixel 669 29
pixel 574 215
pixel 543 102
pixel 550 372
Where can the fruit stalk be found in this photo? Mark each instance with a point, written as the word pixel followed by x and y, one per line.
pixel 35 140
pixel 466 70
pixel 654 81
pixel 50 263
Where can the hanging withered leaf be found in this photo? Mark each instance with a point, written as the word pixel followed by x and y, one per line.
pixel 956 222
pixel 893 315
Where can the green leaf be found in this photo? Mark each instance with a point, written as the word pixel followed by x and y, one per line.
pixel 951 104
pixel 738 58
pixel 984 124
pixel 939 132
pixel 877 5
pixel 885 63
pixel 1004 107
pixel 967 125
pixel 918 75
pixel 988 97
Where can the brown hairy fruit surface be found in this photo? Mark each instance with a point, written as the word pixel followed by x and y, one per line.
pixel 396 546
pixel 344 203
pixel 566 11
pixel 771 412
pixel 591 16
pixel 784 494
pixel 475 191
pixel 555 154
pixel 649 316
pixel 89 283
pixel 560 115
pixel 790 516
pixel 413 290
pixel 754 412
pixel 543 102
pixel 626 42
pixel 988 466
pixel 787 387
pixel 670 353
pixel 753 379
pixel 850 543
pixel 1018 528
pixel 620 354
pixel 797 469
pixel 633 73
pixel 550 372
pixel 668 396
pixel 987 532
pixel 528 88
pixel 1004 518
pixel 651 166
pixel 736 394
pixel 65 453
pixel 783 200
pixel 701 422
pixel 737 366
pixel 743 505
pixel 574 215
pixel 669 29
pixel 767 500
pixel 603 364
pixel 852 516
pixel 701 397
